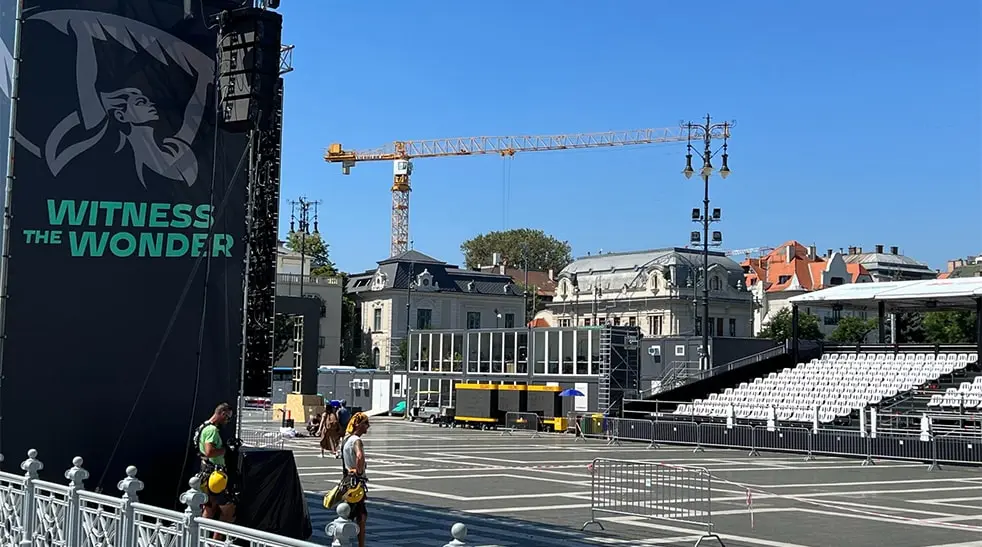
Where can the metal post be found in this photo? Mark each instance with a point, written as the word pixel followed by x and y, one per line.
pixel 250 210
pixel 30 467
pixel 978 326
pixel 9 183
pixel 706 131
pixel 794 333
pixel 881 323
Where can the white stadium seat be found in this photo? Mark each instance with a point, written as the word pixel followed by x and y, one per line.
pixel 837 384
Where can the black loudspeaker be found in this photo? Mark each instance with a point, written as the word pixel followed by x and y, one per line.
pixel 271 497
pixel 249 68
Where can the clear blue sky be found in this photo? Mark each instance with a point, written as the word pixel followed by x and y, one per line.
pixel 858 123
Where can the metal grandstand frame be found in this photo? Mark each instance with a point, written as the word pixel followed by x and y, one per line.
pixel 620 366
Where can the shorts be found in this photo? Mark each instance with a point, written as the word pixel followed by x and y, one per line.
pixel 358 511
pixel 219 499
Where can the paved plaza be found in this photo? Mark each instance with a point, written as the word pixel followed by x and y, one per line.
pixel 515 490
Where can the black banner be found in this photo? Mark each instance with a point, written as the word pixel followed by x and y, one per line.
pixel 123 321
pixel 8 18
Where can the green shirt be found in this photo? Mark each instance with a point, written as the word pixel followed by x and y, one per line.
pixel 210 435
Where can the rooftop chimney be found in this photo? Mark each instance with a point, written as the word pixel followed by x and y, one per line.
pixel 879 249
pixel 550 275
pixel 894 250
pixel 852 250
pixel 812 252
pixel 859 250
pixel 828 253
pixel 495 259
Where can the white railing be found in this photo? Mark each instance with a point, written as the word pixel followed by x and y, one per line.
pixel 37 513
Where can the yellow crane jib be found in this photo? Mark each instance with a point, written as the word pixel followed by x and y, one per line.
pixel 401 153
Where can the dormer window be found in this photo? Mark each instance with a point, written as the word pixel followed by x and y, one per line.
pixel 378 283
pixel 507 288
pixel 424 281
pixel 470 286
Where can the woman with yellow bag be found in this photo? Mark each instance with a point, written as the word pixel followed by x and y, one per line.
pixel 352 488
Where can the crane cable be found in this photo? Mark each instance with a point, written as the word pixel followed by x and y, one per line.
pixel 505 190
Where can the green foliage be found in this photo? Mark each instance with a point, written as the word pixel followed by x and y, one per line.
pixel 534 304
pixel 910 328
pixel 779 327
pixel 950 327
pixel 315 249
pixel 282 335
pixel 852 330
pixel 349 324
pixel 544 251
pixel 404 352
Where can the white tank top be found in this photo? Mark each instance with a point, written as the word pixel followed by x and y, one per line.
pixel 348 458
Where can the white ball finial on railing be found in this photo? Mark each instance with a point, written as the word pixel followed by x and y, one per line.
pixel 342 530
pixel 459 533
pixel 31 465
pixel 77 475
pixel 193 497
pixel 130 486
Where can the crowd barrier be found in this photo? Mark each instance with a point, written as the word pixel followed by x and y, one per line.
pixel 652 490
pixel 912 445
pixel 521 421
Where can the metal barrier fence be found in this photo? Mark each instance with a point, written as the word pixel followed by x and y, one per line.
pixel 922 445
pixel 654 491
pixel 38 513
pixel 521 421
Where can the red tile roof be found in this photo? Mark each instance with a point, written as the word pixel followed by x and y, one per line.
pixel 778 273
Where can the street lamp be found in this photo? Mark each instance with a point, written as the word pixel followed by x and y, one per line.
pixel 300 213
pixel 706 131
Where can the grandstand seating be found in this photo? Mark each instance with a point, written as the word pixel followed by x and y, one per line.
pixel 838 384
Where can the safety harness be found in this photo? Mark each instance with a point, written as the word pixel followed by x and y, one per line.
pixel 207 467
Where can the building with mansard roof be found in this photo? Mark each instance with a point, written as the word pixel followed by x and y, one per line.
pixel 659 290
pixel 413 290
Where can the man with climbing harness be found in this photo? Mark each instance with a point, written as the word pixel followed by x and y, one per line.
pixel 353 470
pixel 214 474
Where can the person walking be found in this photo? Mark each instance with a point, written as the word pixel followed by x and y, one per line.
pixel 330 432
pixel 353 462
pixel 344 414
pixel 212 452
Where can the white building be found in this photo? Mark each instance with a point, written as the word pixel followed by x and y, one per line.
pixel 290 282
pixel 658 290
pixel 418 291
pixel 792 269
pixel 889 265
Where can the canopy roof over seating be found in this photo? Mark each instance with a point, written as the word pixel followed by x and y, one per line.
pixel 929 294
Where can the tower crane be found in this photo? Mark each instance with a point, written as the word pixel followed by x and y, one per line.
pixel 402 154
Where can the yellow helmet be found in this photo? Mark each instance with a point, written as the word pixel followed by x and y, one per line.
pixel 355 494
pixel 217 481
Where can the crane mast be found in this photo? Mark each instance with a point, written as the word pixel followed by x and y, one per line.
pixel 401 154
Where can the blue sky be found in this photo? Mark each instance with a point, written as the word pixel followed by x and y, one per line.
pixel 858 123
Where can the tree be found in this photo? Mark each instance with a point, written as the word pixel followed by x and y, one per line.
pixel 779 327
pixel 314 249
pixel 282 335
pixel 349 324
pixel 544 251
pixel 950 327
pixel 909 328
pixel 852 330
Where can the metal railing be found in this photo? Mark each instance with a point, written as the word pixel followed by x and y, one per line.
pixel 294 279
pixel 654 491
pixel 926 443
pixel 742 362
pixel 521 421
pixel 38 513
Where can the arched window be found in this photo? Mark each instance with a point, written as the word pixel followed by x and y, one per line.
pixel 376 357
pixel 715 284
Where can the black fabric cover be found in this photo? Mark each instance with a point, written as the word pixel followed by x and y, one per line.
pixel 116 138
pixel 271 497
